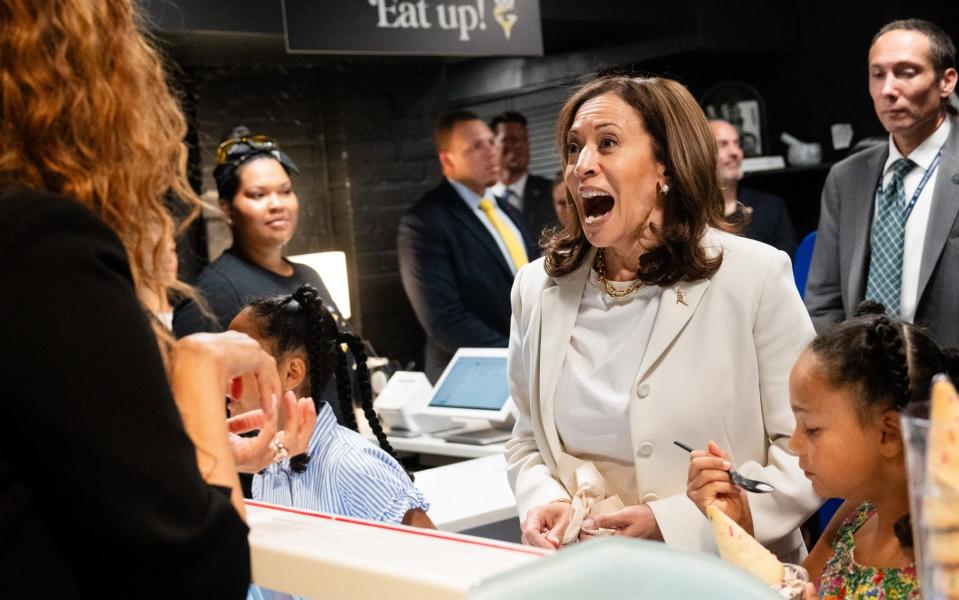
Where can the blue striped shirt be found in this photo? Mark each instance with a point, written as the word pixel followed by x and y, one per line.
pixel 347 475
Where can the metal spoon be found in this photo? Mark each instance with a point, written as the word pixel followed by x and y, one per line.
pixel 750 485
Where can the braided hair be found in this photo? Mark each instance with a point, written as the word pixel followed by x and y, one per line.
pixel 365 389
pixel 888 363
pixel 302 322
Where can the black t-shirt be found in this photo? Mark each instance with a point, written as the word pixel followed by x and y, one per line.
pixel 230 282
pixel 99 488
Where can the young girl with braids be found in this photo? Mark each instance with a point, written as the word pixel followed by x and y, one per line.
pixel 342 472
pixel 847 390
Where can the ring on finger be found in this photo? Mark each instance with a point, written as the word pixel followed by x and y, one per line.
pixel 280 453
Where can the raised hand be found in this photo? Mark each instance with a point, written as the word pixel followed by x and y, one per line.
pixel 709 483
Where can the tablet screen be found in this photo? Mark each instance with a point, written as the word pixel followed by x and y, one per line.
pixel 474 382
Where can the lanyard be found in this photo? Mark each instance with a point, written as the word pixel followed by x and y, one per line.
pixel 922 184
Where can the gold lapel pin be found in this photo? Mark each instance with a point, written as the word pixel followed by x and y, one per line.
pixel 681 297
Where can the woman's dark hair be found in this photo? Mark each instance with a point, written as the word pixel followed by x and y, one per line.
pixel 227 174
pixel 684 144
pixel 302 321
pixel 888 363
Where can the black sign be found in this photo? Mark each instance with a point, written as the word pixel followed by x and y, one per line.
pixel 414 27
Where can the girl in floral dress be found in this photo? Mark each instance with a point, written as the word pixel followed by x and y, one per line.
pixel 847 390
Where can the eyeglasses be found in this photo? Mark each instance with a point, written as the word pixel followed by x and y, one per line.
pixel 235 148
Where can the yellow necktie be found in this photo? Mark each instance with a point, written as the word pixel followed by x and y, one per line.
pixel 513 245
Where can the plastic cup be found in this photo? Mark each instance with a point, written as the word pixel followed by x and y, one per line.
pixel 934 511
pixel 794 582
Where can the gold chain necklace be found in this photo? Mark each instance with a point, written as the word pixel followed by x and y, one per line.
pixel 600 265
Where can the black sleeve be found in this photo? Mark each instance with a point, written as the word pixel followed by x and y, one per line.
pixel 785 233
pixel 93 433
pixel 222 299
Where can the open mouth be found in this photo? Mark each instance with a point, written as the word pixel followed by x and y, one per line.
pixel 596 205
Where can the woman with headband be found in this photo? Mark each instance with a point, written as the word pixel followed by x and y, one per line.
pixel 256 194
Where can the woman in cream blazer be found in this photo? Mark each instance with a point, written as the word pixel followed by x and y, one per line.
pixel 716 367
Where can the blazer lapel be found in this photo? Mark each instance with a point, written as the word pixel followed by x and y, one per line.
pixel 472 224
pixel 859 234
pixel 560 307
pixel 945 208
pixel 676 306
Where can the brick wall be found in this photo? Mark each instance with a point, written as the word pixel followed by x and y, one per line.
pixel 386 113
pixel 361 135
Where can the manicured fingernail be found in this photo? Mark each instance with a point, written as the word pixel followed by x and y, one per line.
pixel 236 388
pixel 727 464
pixel 589 524
pixel 272 404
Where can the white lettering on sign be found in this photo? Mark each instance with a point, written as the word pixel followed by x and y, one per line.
pixel 395 14
pixel 467 18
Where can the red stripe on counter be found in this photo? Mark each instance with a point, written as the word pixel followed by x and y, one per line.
pixel 388 527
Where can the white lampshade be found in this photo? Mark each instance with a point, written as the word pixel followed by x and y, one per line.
pixel 332 269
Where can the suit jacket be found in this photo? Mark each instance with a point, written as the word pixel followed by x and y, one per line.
pixel 840 263
pixel 455 276
pixel 769 220
pixel 538 205
pixel 716 368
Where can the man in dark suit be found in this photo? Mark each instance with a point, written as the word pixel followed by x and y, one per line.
pixel 459 248
pixel 888 230
pixel 531 194
pixel 767 218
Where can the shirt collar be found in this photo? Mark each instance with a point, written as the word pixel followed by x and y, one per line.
pixel 471 198
pixel 925 152
pixel 519 185
pixel 498 189
pixel 325 423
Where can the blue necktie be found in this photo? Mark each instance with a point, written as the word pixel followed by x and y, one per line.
pixel 884 283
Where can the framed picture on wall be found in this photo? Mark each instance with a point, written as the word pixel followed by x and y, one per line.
pixel 742 106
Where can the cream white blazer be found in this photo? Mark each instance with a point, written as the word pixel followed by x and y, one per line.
pixel 716 368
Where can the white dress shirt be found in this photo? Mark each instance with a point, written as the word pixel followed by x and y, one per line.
pixel 513 192
pixel 472 200
pixel 918 221
pixel 598 374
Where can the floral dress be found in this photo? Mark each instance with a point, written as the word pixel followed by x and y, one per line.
pixel 844 578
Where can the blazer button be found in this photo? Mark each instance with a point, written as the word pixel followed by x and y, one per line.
pixel 645 449
pixel 643 390
pixel 955 178
pixel 650 497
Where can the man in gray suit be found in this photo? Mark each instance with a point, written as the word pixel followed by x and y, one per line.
pixel 888 230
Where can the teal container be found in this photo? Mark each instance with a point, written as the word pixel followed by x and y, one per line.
pixel 617 568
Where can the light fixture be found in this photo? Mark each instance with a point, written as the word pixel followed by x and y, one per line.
pixel 332 269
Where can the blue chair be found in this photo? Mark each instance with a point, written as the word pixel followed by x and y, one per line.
pixel 618 568
pixel 801 261
pixel 826 512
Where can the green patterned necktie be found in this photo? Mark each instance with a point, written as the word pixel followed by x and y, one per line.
pixel 888 235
